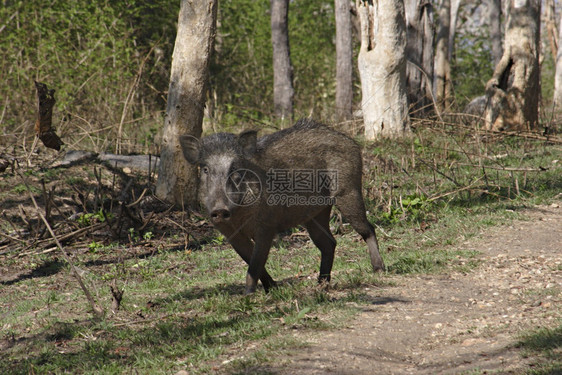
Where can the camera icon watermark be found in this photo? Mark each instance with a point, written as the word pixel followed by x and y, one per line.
pixel 243 187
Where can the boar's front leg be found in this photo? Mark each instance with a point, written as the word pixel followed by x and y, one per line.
pixel 244 247
pixel 262 245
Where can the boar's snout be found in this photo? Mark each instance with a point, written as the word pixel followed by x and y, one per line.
pixel 220 215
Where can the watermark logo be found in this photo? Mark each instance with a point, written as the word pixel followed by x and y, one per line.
pixel 284 187
pixel 243 187
pixel 301 187
pixel 295 181
pixel 289 200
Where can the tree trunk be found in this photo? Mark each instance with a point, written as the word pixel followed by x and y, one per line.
pixel 494 20
pixel 344 57
pixel 443 89
pixel 419 54
pixel 551 29
pixel 177 181
pixel 283 91
pixel 382 68
pixel 455 5
pixel 558 74
pixel 513 91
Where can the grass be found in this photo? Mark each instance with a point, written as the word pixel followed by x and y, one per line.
pixel 186 308
pixel 190 319
pixel 183 307
pixel 545 346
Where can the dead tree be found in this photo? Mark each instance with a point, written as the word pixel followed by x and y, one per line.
pixel 419 53
pixel 283 92
pixel 442 85
pixel 382 68
pixel 344 61
pixel 512 94
pixel 177 181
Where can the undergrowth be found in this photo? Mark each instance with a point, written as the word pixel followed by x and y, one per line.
pixel 182 306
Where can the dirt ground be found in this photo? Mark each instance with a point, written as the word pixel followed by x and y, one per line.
pixel 454 322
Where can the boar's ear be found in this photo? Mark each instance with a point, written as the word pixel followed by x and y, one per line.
pixel 190 147
pixel 247 141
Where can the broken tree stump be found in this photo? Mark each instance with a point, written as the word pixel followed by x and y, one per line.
pixel 43 125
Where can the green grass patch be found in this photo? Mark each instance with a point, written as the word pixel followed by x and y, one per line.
pixel 545 346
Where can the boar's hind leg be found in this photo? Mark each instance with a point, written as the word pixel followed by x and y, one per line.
pixel 352 208
pixel 244 247
pixel 319 230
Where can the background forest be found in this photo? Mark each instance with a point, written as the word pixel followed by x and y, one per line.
pixel 109 63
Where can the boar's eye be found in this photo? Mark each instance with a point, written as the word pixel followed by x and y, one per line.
pixel 205 169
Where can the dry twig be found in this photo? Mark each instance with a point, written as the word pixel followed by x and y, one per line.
pixel 96 309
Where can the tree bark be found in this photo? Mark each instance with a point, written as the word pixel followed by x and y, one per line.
pixel 513 91
pixel 443 89
pixel 558 74
pixel 551 28
pixel 455 5
pixel 283 92
pixel 177 180
pixel 419 54
pixel 382 68
pixel 344 57
pixel 494 20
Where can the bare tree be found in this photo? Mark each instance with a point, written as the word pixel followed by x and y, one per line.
pixel 344 57
pixel 443 89
pixel 551 28
pixel 419 53
pixel 283 91
pixel 455 5
pixel 558 74
pixel 382 68
pixel 513 92
pixel 494 20
pixel 177 181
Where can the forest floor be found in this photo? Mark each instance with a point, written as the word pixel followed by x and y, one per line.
pixel 451 322
pixel 184 309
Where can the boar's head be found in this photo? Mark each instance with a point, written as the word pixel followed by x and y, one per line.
pixel 229 180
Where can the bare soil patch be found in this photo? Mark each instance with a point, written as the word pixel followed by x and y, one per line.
pixel 454 322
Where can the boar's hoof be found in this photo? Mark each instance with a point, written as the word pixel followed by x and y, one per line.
pixel 324 279
pixel 378 265
pixel 268 286
pixel 379 268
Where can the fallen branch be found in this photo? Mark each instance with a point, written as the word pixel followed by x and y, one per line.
pixel 12 238
pixel 96 309
pixel 50 242
pixel 510 169
pixel 552 138
pixel 438 171
pixel 469 187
